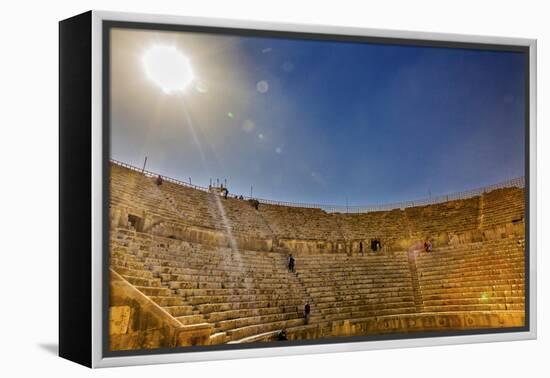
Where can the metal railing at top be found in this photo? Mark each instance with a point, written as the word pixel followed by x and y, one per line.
pixel 153 174
pixel 518 182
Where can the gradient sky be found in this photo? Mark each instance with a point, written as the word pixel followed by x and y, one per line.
pixel 356 122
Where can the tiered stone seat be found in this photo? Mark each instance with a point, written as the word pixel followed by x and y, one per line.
pixel 385 225
pixel 240 293
pixel 185 204
pixel 243 294
pixel 453 216
pixel 503 206
pixel 301 223
pixel 195 207
pixel 126 247
pixel 136 191
pixel 484 276
pixel 344 287
pixel 244 219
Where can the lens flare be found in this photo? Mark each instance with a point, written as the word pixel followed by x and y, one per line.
pixel 248 126
pixel 262 86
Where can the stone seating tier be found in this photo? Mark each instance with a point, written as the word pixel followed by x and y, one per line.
pixel 254 288
pixel 246 292
pixel 188 206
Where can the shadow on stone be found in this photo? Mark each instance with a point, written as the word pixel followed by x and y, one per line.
pixel 50 348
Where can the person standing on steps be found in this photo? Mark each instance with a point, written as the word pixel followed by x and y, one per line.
pixel 307 311
pixel 291 263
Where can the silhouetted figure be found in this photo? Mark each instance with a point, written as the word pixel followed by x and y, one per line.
pixel 375 245
pixel 361 247
pixel 428 246
pixel 291 263
pixel 241 197
pixel 255 203
pixel 307 311
pixel 158 181
pixel 281 336
pixel 225 192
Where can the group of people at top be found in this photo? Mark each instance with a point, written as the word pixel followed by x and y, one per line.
pixel 375 245
pixel 223 189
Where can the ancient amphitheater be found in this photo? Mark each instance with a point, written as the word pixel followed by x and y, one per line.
pixel 189 267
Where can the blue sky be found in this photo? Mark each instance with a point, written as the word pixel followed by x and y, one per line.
pixel 322 122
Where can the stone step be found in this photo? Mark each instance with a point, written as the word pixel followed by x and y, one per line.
pixel 155 291
pixel 275 298
pixel 177 311
pixel 123 271
pixel 242 332
pixel 244 313
pixel 164 301
pixel 139 281
pixel 190 319
pixel 227 325
pixel 218 307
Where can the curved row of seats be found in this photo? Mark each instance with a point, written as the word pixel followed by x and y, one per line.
pixel 245 293
pixel 199 208
pixel 346 287
pixel 486 276
pixel 502 206
pixel 241 293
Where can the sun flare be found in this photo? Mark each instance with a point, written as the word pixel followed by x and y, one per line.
pixel 167 67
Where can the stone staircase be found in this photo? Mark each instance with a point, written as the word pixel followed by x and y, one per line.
pixel 417 292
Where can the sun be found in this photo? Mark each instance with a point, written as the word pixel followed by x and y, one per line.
pixel 168 68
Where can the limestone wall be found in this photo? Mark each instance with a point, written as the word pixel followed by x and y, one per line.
pixel 408 323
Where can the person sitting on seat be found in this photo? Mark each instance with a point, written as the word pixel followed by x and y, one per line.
pixel 307 311
pixel 428 246
pixel 158 181
pixel 281 336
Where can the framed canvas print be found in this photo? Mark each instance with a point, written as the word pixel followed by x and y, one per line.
pixel 238 189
